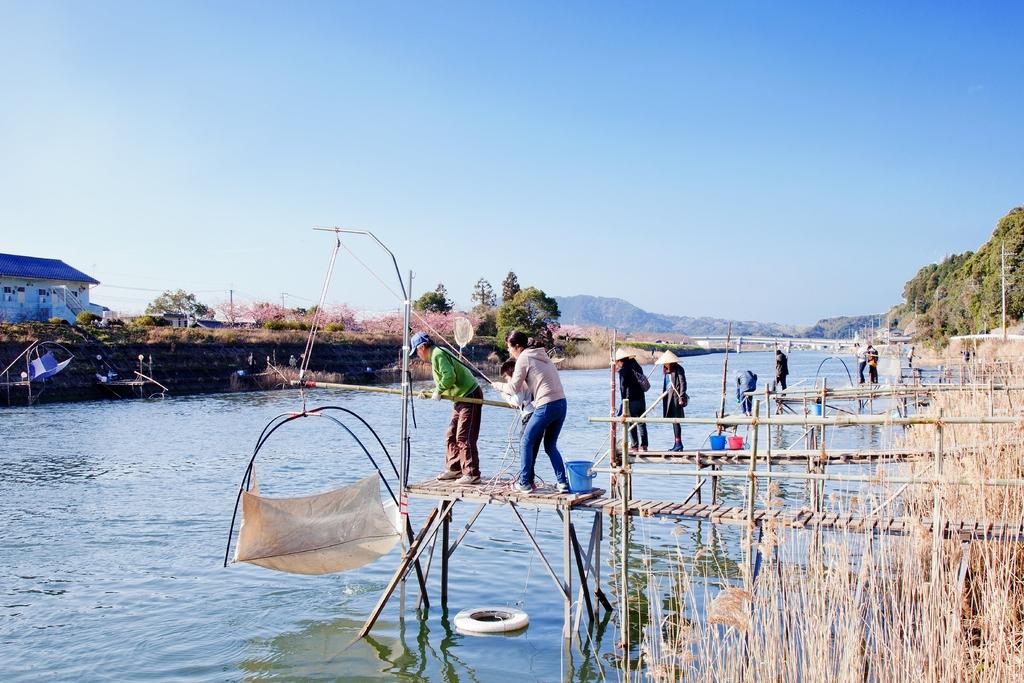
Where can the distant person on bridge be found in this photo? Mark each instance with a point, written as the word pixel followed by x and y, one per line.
pixel 781 369
pixel 872 356
pixel 631 387
pixel 453 380
pixel 674 387
pixel 862 361
pixel 746 382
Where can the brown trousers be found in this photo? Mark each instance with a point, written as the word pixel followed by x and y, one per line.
pixel 463 431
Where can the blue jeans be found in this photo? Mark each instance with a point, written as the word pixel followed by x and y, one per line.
pixel 545 423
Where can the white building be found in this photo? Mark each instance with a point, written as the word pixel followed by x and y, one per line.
pixel 41 288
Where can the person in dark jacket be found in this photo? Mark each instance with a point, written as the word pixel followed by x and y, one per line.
pixel 872 356
pixel 781 369
pixel 745 381
pixel 673 385
pixel 632 393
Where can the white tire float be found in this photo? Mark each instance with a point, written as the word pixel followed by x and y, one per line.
pixel 491 620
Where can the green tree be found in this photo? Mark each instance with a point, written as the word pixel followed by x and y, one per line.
pixel 436 301
pixel 531 311
pixel 483 297
pixel 179 301
pixel 509 286
pixel 488 324
pixel 87 318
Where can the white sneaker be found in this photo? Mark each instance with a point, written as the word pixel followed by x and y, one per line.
pixel 562 488
pixel 520 488
pixel 449 475
pixel 468 479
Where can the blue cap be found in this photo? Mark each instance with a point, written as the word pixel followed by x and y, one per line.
pixel 418 340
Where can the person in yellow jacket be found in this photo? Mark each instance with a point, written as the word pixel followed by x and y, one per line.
pixel 453 380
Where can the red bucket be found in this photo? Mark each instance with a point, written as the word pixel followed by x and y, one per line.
pixel 735 443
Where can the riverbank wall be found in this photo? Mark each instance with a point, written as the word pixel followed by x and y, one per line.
pixel 185 367
pixel 200 361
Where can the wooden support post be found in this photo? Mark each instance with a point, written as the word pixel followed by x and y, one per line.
pixel 445 554
pixel 567 549
pixel 768 435
pixel 581 568
pixel 598 529
pixel 937 500
pixel 424 600
pixel 624 561
pixel 465 529
pixel 752 490
pixel 699 482
pixel 540 553
pixel 612 426
pixel 411 555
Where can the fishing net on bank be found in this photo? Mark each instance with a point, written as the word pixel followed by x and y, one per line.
pixel 322 533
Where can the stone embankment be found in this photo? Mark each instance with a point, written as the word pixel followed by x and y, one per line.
pixel 205 367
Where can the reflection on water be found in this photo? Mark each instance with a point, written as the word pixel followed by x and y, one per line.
pixel 115 516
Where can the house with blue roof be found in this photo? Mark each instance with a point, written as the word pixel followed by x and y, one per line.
pixel 33 288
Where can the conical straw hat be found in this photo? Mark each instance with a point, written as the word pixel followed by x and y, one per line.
pixel 667 358
pixel 622 354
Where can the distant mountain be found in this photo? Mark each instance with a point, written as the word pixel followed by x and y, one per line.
pixel 602 311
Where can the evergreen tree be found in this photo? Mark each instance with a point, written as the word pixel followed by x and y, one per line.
pixel 530 311
pixel 483 296
pixel 436 301
pixel 509 286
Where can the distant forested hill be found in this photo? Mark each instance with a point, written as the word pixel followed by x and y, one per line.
pixel 619 314
pixel 962 294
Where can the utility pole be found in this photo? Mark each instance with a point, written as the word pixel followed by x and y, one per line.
pixel 1002 268
pixel 231 305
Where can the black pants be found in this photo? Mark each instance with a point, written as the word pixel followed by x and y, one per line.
pixel 781 381
pixel 873 374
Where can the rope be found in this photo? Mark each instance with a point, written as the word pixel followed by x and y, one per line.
pixel 318 315
pixel 420 318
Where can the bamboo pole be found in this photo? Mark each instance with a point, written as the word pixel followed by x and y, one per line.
pixel 833 421
pixel 624 551
pixel 309 384
pixel 937 500
pixel 810 476
pixel 752 491
pixel 725 373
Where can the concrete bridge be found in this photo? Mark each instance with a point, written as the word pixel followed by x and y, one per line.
pixel 787 344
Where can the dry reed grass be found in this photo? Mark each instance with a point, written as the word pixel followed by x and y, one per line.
pixel 845 606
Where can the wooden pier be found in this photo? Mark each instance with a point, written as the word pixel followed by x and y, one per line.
pixel 584 563
pixel 806 519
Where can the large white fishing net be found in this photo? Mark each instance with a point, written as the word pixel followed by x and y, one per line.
pixel 319 534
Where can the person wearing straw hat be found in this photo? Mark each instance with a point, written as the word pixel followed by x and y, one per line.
pixel 631 388
pixel 453 380
pixel 675 399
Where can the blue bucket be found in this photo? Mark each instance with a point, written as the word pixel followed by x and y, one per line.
pixel 816 409
pixel 579 480
pixel 717 442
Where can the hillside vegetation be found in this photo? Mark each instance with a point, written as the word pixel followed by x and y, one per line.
pixel 962 293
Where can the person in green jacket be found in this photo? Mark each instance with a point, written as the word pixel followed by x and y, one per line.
pixel 453 380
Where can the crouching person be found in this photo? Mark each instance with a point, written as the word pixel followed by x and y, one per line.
pixel 453 380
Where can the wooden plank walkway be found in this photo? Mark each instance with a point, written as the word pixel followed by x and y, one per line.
pixel 963 530
pixel 499 492
pixel 785 457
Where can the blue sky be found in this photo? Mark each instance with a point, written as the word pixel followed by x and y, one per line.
pixel 769 161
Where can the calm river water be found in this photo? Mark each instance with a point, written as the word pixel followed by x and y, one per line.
pixel 115 516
